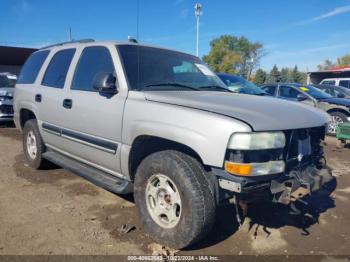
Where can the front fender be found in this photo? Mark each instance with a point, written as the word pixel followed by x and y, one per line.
pixel 205 132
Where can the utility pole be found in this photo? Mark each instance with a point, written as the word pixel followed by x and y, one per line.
pixel 198 13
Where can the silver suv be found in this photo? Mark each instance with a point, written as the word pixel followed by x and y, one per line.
pixel 159 123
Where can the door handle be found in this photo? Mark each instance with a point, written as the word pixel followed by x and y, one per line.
pixel 38 98
pixel 67 103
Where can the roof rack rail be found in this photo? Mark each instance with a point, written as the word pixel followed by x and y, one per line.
pixel 87 40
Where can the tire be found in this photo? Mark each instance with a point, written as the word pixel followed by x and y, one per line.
pixel 337 118
pixel 185 175
pixel 34 160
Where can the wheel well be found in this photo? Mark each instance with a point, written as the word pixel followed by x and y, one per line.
pixel 26 115
pixel 146 145
pixel 339 110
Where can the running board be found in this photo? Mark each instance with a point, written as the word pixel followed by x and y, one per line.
pixel 95 176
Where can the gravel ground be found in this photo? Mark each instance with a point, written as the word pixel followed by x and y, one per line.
pixel 55 212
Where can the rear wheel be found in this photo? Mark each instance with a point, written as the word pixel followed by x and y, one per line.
pixel 336 119
pixel 174 199
pixel 33 145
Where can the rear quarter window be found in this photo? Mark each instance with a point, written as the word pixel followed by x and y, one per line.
pixel 32 67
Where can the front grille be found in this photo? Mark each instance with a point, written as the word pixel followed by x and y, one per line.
pixel 6 109
pixel 293 157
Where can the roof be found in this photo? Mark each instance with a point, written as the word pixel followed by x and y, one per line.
pixel 333 70
pixel 91 42
pixel 10 55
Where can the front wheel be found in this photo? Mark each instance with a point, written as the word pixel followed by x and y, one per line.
pixel 175 201
pixel 336 119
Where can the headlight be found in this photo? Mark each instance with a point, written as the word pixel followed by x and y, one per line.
pixel 256 141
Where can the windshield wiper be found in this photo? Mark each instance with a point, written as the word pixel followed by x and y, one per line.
pixel 215 88
pixel 172 84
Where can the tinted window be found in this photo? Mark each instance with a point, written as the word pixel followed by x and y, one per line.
pixel 56 72
pixel 238 84
pixel 32 67
pixel 149 68
pixel 344 83
pixel 93 60
pixel 328 82
pixel 289 92
pixel 271 90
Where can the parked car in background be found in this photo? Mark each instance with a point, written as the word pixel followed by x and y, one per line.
pixel 335 91
pixel 7 84
pixel 238 84
pixel 345 82
pixel 338 108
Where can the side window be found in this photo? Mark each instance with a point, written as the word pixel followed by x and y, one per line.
pixel 56 72
pixel 271 90
pixel 32 67
pixel 93 60
pixel 331 91
pixel 288 92
pixel 328 82
pixel 344 83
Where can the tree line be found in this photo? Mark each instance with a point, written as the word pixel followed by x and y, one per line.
pixel 286 75
pixel 328 64
pixel 240 56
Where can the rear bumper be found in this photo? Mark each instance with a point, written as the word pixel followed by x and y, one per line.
pixel 281 188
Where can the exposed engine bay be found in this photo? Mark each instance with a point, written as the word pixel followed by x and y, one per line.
pixel 306 169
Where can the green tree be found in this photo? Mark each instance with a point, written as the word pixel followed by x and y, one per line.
pixel 327 64
pixel 286 76
pixel 275 75
pixel 260 77
pixel 233 54
pixel 341 61
pixel 344 60
pixel 298 77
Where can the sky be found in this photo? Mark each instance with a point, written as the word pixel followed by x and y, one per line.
pixel 293 32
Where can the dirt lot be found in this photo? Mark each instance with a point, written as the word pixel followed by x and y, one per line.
pixel 56 212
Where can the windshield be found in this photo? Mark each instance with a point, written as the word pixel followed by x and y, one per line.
pixel 314 92
pixel 7 81
pixel 149 68
pixel 238 84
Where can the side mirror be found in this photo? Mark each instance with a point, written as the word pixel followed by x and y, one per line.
pixel 105 83
pixel 341 95
pixel 301 97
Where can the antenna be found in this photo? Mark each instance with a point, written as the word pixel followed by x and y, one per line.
pixel 69 34
pixel 137 18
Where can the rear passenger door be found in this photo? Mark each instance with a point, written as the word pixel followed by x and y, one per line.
pixel 50 94
pixel 92 121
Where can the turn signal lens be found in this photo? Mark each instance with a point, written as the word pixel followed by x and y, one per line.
pixel 238 169
pixel 255 169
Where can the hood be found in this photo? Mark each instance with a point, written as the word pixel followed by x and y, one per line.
pixel 337 101
pixel 260 112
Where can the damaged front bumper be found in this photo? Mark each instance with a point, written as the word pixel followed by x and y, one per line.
pixel 305 170
pixel 282 188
